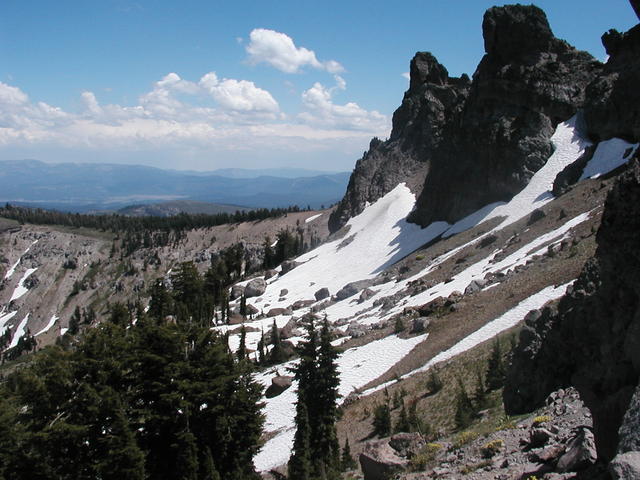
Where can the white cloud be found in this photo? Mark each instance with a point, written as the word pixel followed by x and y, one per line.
pixel 239 95
pixel 278 50
pixel 178 118
pixel 322 111
pixel 406 75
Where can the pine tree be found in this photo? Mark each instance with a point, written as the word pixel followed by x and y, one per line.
pixel 382 420
pixel 347 462
pixel 300 461
pixel 403 425
pixel 464 407
pixel 276 355
pixel 495 368
pixel 242 349
pixel 74 322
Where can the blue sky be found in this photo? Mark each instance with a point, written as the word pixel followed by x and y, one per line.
pixel 212 84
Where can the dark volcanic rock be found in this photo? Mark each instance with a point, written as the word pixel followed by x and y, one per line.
pixel 526 84
pixel 591 339
pixel 433 100
pixel 612 108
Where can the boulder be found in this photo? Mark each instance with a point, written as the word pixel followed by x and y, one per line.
pixel 251 310
pixel 236 291
pixel 365 295
pixel 630 429
pixel 278 385
pixel 407 444
pixel 580 452
pixel 355 330
pixel 625 466
pixel 288 265
pixel 302 304
pixel 419 325
pixel 475 286
pixel 379 461
pixel 347 291
pixel 270 273
pixel 283 292
pixel 322 294
pixel 255 288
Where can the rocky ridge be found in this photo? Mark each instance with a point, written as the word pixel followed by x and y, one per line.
pixel 470 143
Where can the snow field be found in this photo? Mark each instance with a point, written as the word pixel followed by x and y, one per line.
pixel 357 367
pixel 11 271
pixel 4 319
pixel 490 330
pixel 312 218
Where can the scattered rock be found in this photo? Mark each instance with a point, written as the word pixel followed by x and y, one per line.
pixel 322 294
pixel 536 216
pixel 255 288
pixel 283 292
pixel 278 385
pixel 270 273
pixel 288 265
pixel 475 286
pixel 236 291
pixel 407 444
pixel 365 295
pixel 580 452
pixel 302 304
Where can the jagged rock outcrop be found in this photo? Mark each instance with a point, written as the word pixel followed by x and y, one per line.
pixel 461 145
pixel 527 82
pixel 612 108
pixel 591 339
pixel 433 101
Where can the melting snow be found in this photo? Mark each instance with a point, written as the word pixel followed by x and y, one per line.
pixel 21 289
pixel 357 366
pixel 608 156
pixel 312 218
pixel 15 265
pixel 4 319
pixel 51 323
pixel 491 329
pixel 20 331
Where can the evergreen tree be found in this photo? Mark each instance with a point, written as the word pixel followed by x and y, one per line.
pixel 464 407
pixel 74 322
pixel 382 420
pixel 347 462
pixel 403 424
pixel 276 355
pixel 242 349
pixel 496 369
pixel 299 467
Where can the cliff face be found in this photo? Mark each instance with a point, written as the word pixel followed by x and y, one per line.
pixel 527 82
pixel 472 143
pixel 431 103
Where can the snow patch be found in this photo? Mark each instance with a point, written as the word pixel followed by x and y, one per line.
pixel 4 319
pixel 51 323
pixel 608 156
pixel 20 331
pixel 357 367
pixel 21 289
pixel 312 218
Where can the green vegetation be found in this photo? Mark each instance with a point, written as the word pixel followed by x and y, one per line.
pixel 150 400
pixel 316 452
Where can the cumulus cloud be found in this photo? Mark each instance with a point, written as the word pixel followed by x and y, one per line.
pixel 278 50
pixel 322 111
pixel 188 118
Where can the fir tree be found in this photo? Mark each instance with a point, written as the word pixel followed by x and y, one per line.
pixel 495 368
pixel 300 462
pixel 347 462
pixel 403 424
pixel 242 349
pixel 382 420
pixel 276 355
pixel 464 407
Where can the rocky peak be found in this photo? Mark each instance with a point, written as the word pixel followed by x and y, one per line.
pixel 424 68
pixel 515 30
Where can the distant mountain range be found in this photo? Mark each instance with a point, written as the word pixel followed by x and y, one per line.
pixel 85 187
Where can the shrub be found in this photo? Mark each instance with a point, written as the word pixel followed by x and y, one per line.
pixel 490 449
pixel 427 455
pixel 434 382
pixel 382 420
pixel 463 438
pixel 539 420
